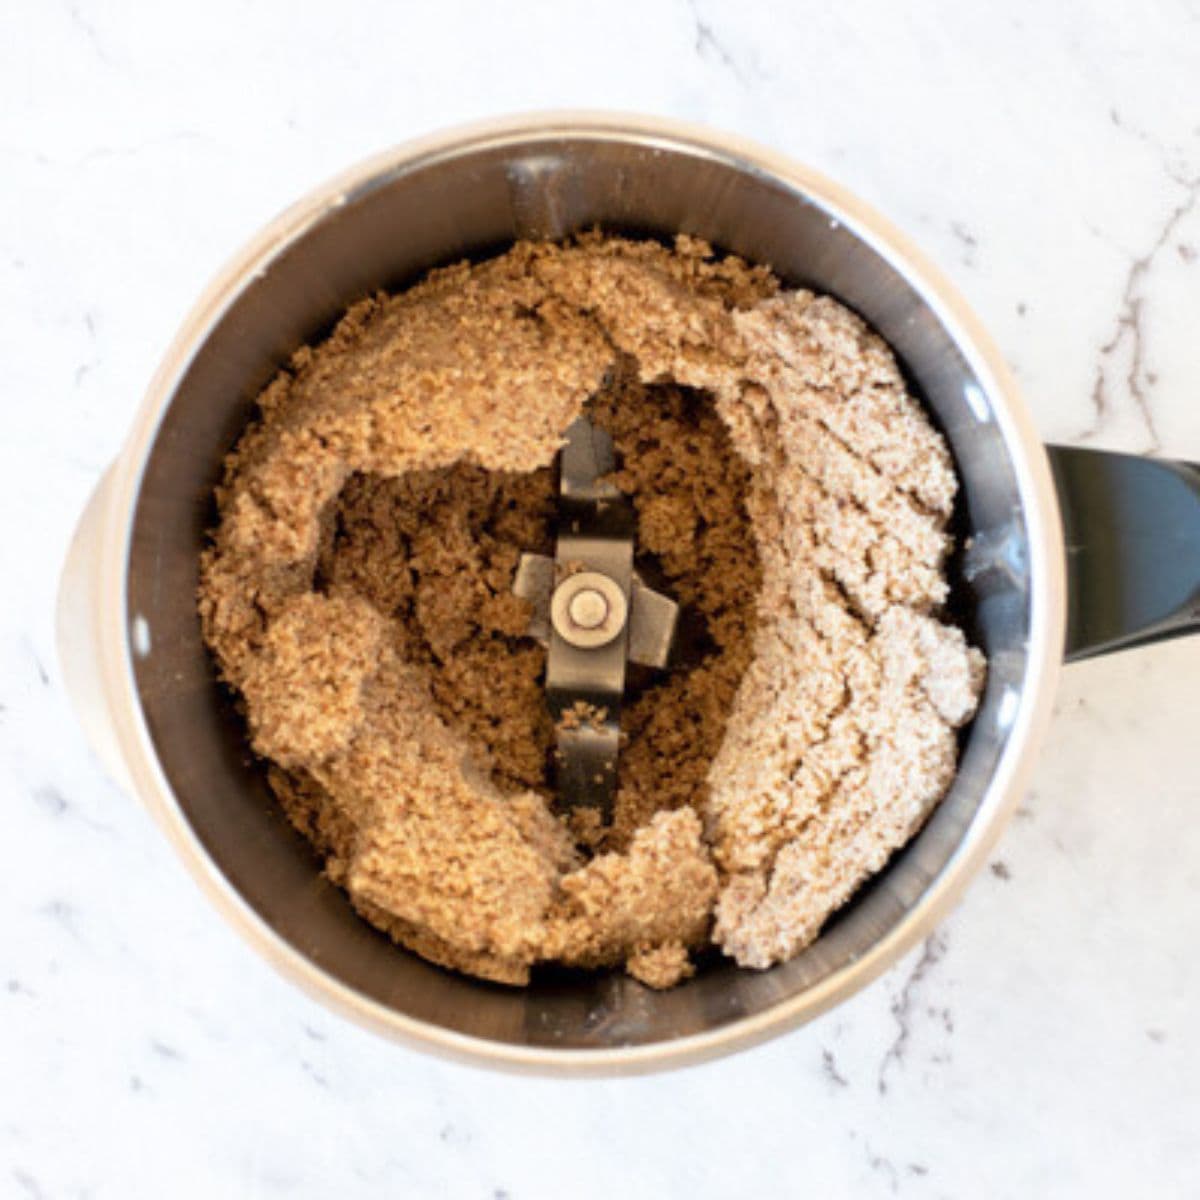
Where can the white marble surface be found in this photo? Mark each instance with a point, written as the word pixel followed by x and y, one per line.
pixel 1044 1042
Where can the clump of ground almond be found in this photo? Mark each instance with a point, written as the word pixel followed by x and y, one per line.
pixel 789 492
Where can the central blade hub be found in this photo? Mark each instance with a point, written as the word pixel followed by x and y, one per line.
pixel 594 615
pixel 585 667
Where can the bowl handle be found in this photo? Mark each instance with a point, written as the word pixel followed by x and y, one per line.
pixel 79 632
pixel 1132 532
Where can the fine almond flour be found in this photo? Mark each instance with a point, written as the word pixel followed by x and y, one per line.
pixel 790 495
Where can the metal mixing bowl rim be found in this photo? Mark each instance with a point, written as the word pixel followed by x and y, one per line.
pixel 1036 492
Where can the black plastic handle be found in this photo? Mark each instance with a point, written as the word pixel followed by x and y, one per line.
pixel 1132 528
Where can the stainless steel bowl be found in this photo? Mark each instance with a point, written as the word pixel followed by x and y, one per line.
pixel 130 639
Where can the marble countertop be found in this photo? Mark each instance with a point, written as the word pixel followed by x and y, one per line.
pixel 1042 1043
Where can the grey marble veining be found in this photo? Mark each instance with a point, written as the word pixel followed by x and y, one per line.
pixel 1042 1042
